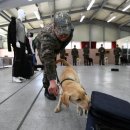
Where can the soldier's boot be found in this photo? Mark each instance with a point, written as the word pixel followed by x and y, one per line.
pixel 47 94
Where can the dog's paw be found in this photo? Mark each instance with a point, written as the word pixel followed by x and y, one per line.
pixel 80 111
pixel 86 112
pixel 57 109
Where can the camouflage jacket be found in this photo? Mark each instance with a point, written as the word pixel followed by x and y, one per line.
pixel 62 54
pixel 85 51
pixel 48 47
pixel 101 51
pixel 74 52
pixel 117 51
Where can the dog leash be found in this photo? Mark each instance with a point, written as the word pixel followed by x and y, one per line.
pixel 58 81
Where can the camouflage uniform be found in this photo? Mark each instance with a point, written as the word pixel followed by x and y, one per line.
pixel 101 51
pixel 86 55
pixel 75 55
pixel 117 52
pixel 62 55
pixel 48 47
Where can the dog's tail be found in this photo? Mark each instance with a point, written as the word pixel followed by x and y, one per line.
pixel 63 61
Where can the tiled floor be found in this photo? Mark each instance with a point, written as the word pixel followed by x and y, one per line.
pixel 24 107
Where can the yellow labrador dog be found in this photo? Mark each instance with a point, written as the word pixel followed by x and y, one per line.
pixel 71 89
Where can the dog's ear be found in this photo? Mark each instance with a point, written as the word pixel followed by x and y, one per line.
pixel 65 98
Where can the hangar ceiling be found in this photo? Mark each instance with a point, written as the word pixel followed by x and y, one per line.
pixel 100 12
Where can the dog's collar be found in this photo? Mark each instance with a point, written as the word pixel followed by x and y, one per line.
pixel 65 80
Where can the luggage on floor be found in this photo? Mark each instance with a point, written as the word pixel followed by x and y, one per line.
pixel 28 66
pixel 108 113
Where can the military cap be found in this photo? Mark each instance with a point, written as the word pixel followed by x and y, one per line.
pixel 62 22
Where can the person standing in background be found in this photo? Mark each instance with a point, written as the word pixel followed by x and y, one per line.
pixel 16 39
pixel 101 51
pixel 75 55
pixel 32 48
pixel 117 53
pixel 86 55
pixel 62 55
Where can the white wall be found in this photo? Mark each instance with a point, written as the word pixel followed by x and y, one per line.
pixel 111 34
pixel 124 34
pixel 124 42
pixel 96 33
pixel 81 33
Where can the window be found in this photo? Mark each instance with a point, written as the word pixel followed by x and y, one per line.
pixel 71 45
pixel 106 45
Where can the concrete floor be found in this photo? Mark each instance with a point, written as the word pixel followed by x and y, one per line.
pixel 24 107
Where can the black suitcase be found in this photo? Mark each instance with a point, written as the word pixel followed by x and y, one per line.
pixel 108 113
pixel 28 70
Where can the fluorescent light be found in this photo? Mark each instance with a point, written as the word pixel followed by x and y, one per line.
pixel 127 7
pixel 82 18
pixel 37 15
pixel 30 0
pixel 91 4
pixel 41 25
pixel 111 19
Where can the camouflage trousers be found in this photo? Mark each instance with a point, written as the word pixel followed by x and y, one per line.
pixel 45 81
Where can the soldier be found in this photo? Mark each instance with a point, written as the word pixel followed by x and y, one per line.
pixel 75 55
pixel 53 38
pixel 117 52
pixel 101 51
pixel 62 55
pixel 86 55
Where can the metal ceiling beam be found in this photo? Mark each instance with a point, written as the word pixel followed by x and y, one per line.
pixel 101 6
pixel 31 25
pixel 5 16
pixel 46 17
pixel 115 10
pixel 9 4
pixel 81 10
pixel 95 22
pixel 123 17
pixel 54 6
pixel 125 23
pixel 4 29
pixel 122 4
pixel 120 18
pixel 38 10
pixel 71 12
pixel 71 5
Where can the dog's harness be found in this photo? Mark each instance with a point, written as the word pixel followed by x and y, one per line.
pixel 65 80
pixel 60 83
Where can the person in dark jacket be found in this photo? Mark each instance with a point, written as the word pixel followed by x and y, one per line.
pixel 62 55
pixel 75 55
pixel 50 41
pixel 101 51
pixel 86 55
pixel 16 39
pixel 117 53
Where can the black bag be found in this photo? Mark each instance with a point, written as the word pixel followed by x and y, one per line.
pixel 109 112
pixel 28 66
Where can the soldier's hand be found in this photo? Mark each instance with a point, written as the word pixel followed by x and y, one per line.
pixel 53 89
